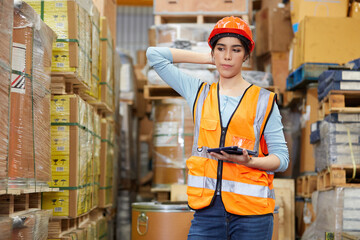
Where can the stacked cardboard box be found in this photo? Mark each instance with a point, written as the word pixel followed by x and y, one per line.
pixel 273 38
pixel 106 163
pixel 6 25
pixel 75 155
pixel 106 64
pixel 29 112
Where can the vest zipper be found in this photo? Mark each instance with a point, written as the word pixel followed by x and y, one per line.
pixel 220 162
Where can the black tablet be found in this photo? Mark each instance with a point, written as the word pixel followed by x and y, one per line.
pixel 231 150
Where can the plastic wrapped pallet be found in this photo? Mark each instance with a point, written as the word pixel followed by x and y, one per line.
pixel 75 143
pixel 172 141
pixel 6 24
pixel 95 53
pixel 106 64
pixel 70 20
pixel 339 144
pixel 337 213
pixel 29 148
pixel 32 225
pixel 106 163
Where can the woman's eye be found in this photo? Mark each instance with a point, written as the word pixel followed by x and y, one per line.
pixel 237 50
pixel 220 49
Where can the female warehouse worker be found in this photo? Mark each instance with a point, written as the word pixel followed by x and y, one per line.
pixel 232 194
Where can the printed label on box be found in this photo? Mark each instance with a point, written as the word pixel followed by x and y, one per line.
pixel 18 64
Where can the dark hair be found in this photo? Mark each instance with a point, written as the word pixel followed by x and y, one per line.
pixel 244 41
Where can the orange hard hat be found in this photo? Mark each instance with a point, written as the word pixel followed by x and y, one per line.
pixel 232 25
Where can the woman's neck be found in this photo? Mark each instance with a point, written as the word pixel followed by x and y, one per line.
pixel 234 86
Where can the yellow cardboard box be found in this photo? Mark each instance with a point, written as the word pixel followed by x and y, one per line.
pixel 324 8
pixel 326 40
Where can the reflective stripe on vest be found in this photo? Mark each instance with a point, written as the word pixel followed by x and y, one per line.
pixel 230 186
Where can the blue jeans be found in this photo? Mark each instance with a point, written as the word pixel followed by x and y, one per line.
pixel 214 223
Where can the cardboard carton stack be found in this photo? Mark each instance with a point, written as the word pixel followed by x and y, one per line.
pixel 6 25
pixel 325 121
pixel 28 131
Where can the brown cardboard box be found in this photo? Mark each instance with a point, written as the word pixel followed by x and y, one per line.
pixel 270 3
pixel 273 30
pixel 201 6
pixel 326 40
pixel 29 145
pixel 310 115
pixel 277 63
pixel 107 8
pixel 302 8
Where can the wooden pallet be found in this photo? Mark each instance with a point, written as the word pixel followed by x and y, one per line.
pixel 306 73
pixel 67 83
pixel 100 106
pixel 306 185
pixel 58 227
pixel 340 101
pixel 193 18
pixel 338 176
pixel 12 205
pixel 37 189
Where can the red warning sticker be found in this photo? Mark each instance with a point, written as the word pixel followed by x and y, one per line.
pixel 18 65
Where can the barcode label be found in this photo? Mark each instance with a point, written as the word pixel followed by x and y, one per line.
pixel 59 169
pixel 59 5
pixel 59 109
pixel 60 45
pixel 61 148
pixel 58 209
pixel 60 24
pixel 61 129
pixel 60 65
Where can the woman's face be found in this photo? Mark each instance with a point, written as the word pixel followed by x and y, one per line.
pixel 229 56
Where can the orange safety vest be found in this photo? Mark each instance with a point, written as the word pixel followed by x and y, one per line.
pixel 244 191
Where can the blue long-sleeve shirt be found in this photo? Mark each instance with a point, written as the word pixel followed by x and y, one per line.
pixel 161 60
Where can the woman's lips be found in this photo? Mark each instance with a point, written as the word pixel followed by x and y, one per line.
pixel 226 66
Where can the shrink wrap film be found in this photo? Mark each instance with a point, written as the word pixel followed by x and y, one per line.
pixel 75 156
pixel 32 225
pixel 70 20
pixel 29 132
pixel 172 141
pixel 337 213
pixel 106 64
pixel 339 144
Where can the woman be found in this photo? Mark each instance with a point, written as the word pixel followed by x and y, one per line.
pixel 232 194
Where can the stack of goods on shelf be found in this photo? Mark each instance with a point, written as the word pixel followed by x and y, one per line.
pixel 337 215
pixel 106 163
pixel 6 24
pixel 29 109
pixel 106 93
pixel 317 28
pixel 75 144
pixel 71 22
pixel 172 141
pixel 273 38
